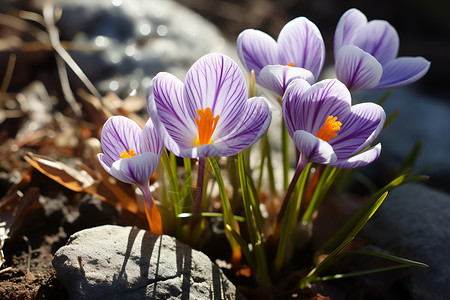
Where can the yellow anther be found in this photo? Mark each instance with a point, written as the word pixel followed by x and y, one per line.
pixel 327 132
pixel 206 125
pixel 128 154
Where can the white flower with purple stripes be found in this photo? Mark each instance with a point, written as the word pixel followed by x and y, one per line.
pixel 209 115
pixel 327 129
pixel 366 54
pixel 298 53
pixel 131 154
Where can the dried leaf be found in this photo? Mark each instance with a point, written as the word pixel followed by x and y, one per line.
pixel 71 178
pixel 15 207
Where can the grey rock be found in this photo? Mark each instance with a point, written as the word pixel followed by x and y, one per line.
pixel 113 262
pixel 414 222
pixel 128 42
pixel 421 118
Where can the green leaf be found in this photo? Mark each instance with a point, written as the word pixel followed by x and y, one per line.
pixel 385 97
pixel 244 246
pixel 411 159
pixel 389 257
pixel 210 215
pixel 228 216
pixel 390 119
pixel 362 217
pixel 360 273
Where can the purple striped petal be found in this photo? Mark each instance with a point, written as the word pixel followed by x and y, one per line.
pixel 378 38
pixel 150 139
pixel 403 71
pixel 359 160
pixel 105 161
pixel 356 68
pixel 119 134
pixel 253 125
pixel 208 150
pixel 313 148
pixel 359 129
pixel 346 28
pixel 135 170
pixel 215 81
pixel 256 49
pixel 277 77
pixel 168 111
pixel 300 42
pixel 307 108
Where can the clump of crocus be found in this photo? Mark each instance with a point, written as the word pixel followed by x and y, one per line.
pixel 366 54
pixel 131 155
pixel 298 53
pixel 327 129
pixel 209 115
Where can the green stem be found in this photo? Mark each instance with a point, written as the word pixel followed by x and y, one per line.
pixel 302 163
pixel 253 230
pixel 325 181
pixel 285 151
pixel 173 181
pixel 199 189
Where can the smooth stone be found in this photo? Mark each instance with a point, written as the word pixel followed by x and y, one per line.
pixel 414 223
pixel 422 118
pixel 114 262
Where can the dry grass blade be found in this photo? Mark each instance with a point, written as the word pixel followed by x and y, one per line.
pixel 49 18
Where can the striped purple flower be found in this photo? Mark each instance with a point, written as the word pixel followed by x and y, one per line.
pixel 298 53
pixel 131 154
pixel 366 54
pixel 208 115
pixel 327 129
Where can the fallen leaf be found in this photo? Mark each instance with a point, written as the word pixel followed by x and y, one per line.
pixel 71 178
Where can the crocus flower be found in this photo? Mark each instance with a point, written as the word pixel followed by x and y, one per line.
pixel 366 54
pixel 131 155
pixel 298 53
pixel 327 129
pixel 209 115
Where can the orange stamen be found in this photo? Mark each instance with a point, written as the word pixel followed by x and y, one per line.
pixel 291 64
pixel 206 125
pixel 128 154
pixel 327 132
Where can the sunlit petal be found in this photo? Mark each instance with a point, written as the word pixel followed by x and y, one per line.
pixel 150 139
pixel 253 125
pixel 403 71
pixel 300 42
pixel 346 28
pixel 168 111
pixel 307 107
pixel 359 160
pixel 357 69
pixel 119 134
pixel 313 148
pixel 135 170
pixel 378 38
pixel 277 77
pixel 256 49
pixel 215 81
pixel 359 129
